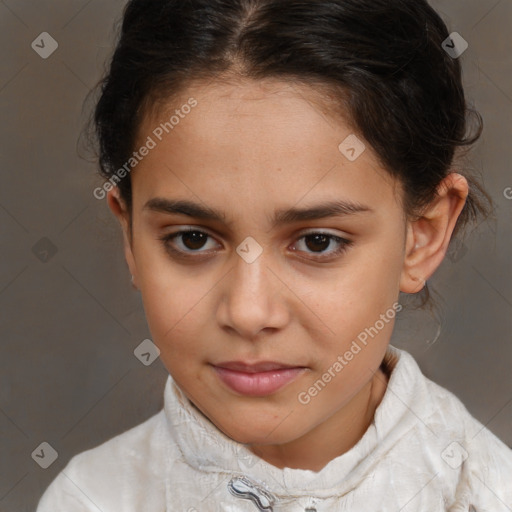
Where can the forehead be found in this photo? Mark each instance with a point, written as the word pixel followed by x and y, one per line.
pixel 264 138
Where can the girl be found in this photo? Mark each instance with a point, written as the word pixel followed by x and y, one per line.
pixel 281 171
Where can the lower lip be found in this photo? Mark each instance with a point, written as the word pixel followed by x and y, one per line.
pixel 258 384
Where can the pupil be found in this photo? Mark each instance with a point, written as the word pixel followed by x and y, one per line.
pixel 195 238
pixel 321 239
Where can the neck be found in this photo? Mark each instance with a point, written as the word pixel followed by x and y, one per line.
pixel 334 437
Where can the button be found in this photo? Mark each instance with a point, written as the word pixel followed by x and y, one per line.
pixel 243 488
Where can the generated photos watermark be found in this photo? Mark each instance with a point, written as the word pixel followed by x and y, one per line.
pixel 357 345
pixel 151 143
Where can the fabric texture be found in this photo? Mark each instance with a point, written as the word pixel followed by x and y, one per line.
pixel 423 452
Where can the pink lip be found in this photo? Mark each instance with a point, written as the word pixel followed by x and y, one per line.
pixel 258 379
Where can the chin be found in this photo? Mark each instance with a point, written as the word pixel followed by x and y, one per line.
pixel 258 432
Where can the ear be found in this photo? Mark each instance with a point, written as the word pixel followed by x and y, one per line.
pixel 118 207
pixel 428 237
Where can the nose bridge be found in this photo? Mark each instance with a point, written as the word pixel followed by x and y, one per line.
pixel 250 275
pixel 251 301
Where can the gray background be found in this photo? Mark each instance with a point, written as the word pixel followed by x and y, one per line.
pixel 70 320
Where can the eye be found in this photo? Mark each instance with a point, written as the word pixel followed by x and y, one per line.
pixel 187 242
pixel 318 242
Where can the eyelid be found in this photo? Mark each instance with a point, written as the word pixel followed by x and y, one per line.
pixel 344 244
pixel 168 237
pixel 319 231
pixel 333 254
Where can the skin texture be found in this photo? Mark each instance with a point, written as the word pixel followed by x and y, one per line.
pixel 248 149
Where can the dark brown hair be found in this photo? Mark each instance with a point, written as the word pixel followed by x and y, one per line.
pixel 383 60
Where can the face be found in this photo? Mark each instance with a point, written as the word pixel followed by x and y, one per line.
pixel 262 253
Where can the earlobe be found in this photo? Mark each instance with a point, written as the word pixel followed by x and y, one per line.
pixel 428 236
pixel 118 208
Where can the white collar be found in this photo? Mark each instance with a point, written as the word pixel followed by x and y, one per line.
pixel 205 448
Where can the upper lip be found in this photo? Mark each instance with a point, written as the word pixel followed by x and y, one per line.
pixel 262 366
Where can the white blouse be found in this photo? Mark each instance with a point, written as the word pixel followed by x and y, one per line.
pixel 423 453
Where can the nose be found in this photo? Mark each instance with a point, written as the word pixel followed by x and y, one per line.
pixel 254 298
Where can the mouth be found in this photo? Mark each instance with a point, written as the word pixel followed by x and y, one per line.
pixel 257 379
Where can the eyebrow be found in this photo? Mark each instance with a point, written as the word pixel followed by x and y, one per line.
pixel 283 216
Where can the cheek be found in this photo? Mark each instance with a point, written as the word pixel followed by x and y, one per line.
pixel 366 284
pixel 175 310
pixel 174 297
pixel 380 266
pixel 350 302
pixel 176 320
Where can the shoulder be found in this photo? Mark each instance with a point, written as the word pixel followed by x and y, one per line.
pixel 433 405
pixel 465 450
pixel 124 473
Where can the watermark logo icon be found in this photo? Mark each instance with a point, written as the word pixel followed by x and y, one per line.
pixel 455 45
pixel 45 455
pixel 454 455
pixel 44 250
pixel 352 148
pixel 44 45
pixel 249 250
pixel 147 352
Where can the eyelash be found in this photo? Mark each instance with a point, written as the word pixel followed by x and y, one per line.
pixel 167 239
